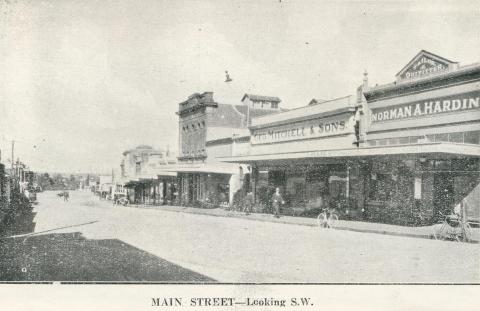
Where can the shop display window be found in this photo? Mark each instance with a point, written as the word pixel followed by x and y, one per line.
pixel 424 164
pixel 295 188
pixel 442 165
pixel 465 165
pixel 381 187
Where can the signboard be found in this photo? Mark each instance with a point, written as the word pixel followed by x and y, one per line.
pixel 435 106
pixel 302 130
pixel 423 66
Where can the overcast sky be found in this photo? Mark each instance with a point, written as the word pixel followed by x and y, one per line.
pixel 81 81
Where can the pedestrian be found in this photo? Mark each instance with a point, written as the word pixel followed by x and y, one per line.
pixel 66 196
pixel 248 203
pixel 277 199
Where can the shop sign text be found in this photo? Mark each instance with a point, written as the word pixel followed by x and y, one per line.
pixel 424 66
pixel 462 102
pixel 300 130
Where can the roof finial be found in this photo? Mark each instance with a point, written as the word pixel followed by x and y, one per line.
pixel 365 79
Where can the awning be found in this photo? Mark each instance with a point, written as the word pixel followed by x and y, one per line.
pixel 441 148
pixel 213 168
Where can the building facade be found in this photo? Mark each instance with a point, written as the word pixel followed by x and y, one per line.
pixel 400 153
pixel 144 178
pixel 291 151
pixel 209 130
pixel 432 108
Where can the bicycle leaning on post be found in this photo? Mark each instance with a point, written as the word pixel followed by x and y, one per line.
pixel 327 218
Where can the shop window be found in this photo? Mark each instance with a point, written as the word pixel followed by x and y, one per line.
pixel 424 164
pixel 455 137
pixel 465 164
pixel 441 137
pixel 472 137
pixel 372 143
pixel 430 138
pixel 381 187
pixel 403 140
pixel 442 165
pixel 393 141
pixel 382 142
pixel 414 139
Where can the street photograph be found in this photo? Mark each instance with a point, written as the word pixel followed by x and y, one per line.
pixel 271 142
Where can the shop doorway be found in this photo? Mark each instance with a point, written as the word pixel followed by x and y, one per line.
pixel 443 194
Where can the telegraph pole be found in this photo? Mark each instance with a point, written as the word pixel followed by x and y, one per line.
pixel 13 147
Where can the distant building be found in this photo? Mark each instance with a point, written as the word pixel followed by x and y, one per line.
pixel 143 176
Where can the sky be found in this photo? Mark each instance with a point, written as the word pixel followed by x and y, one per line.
pixel 82 81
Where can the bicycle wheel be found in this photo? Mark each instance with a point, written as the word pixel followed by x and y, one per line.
pixel 466 233
pixel 321 219
pixel 439 231
pixel 332 220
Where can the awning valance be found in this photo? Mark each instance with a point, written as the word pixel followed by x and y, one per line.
pixel 447 149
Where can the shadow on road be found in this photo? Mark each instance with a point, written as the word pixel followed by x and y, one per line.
pixel 71 257
pixel 30 233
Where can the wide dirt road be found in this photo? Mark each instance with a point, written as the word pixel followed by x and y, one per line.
pixel 86 239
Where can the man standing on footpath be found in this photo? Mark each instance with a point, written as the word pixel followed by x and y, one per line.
pixel 277 199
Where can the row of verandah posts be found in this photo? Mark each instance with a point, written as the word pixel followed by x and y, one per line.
pixel 156 191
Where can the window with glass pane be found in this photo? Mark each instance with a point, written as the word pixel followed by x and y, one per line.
pixel 472 137
pixel 415 139
pixel 456 137
pixel 393 141
pixel 430 138
pixel 441 137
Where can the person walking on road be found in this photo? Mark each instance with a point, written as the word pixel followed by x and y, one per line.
pixel 248 203
pixel 277 199
pixel 66 196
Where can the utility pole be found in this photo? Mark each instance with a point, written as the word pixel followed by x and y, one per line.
pixel 13 147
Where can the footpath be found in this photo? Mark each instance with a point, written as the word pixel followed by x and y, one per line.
pixel 425 232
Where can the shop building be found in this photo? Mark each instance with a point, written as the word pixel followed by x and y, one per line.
pixel 398 153
pixel 432 109
pixel 295 151
pixel 144 177
pixel 208 130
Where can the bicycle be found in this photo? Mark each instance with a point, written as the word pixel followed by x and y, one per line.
pixel 327 218
pixel 452 228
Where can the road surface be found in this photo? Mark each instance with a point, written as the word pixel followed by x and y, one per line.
pixel 87 239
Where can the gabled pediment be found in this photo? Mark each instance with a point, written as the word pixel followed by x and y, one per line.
pixel 425 64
